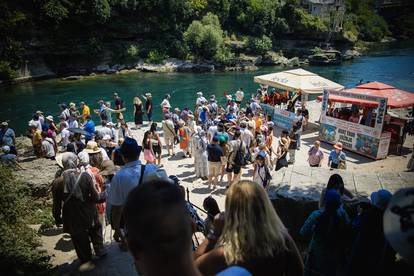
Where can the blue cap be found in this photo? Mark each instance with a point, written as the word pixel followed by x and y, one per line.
pixel 129 147
pixel 381 198
pixel 216 138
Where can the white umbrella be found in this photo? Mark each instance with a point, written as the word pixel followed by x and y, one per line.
pixel 298 80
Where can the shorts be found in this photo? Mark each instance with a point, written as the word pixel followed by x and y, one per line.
pixel 235 169
pixel 169 140
pixel 156 149
pixel 214 168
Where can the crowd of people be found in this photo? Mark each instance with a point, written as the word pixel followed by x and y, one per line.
pixel 102 181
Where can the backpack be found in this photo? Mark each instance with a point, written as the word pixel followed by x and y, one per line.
pixel 239 158
pixel 299 123
pixel 103 115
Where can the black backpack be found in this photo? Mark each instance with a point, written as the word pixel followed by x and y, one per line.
pixel 239 158
pixel 103 115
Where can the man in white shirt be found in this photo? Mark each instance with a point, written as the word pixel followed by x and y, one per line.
pixel 166 102
pixel 246 135
pixel 124 181
pixel 48 148
pixel 200 99
pixel 239 96
pixel 65 134
pixel 104 130
pixel 254 106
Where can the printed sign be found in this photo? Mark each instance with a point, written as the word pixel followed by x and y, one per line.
pixel 365 140
pixel 283 118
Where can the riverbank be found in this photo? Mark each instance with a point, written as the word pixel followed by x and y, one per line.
pixel 288 53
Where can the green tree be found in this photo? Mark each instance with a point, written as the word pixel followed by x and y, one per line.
pixel 259 45
pixel 204 38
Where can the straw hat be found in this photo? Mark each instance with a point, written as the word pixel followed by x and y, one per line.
pixel 49 118
pixel 72 105
pixel 39 112
pixel 107 137
pixel 4 123
pixel 148 94
pixel 199 93
pixel 177 109
pixel 92 147
pixel 229 97
pixel 338 146
pixel 109 168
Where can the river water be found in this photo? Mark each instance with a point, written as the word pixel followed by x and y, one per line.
pixel 17 103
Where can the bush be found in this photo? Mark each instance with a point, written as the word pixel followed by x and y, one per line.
pixel 204 38
pixel 155 57
pixel 372 26
pixel 19 254
pixel 224 56
pixel 259 45
pixel 307 23
pixel 6 71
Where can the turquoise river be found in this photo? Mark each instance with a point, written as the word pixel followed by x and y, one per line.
pixel 394 66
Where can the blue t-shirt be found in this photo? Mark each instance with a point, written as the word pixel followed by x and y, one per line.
pixel 230 116
pixel 90 128
pixel 334 157
pixel 215 152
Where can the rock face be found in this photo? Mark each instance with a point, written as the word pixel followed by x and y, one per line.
pixel 273 58
pixel 350 54
pixel 72 78
pixel 325 57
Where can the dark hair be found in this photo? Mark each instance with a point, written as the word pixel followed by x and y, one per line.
pixel 145 142
pixel 71 148
pixel 44 134
pixel 237 134
pixel 103 123
pixel 211 206
pixel 156 221
pixel 336 182
pixel 153 127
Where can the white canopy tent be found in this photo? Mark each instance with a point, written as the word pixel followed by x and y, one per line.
pixel 298 80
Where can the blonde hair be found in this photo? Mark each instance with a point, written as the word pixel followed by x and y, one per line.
pixel 137 101
pixel 252 227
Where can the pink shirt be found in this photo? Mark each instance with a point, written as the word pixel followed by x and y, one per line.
pixel 315 156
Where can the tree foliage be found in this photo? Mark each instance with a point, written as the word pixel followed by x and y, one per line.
pixel 204 38
pixel 259 45
pixel 84 30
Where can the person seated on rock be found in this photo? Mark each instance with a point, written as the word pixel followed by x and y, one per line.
pixel 158 230
pixel 249 234
pixel 329 229
pixel 7 158
pixel 336 182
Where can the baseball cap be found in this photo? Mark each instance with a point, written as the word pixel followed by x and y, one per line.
pixel 381 198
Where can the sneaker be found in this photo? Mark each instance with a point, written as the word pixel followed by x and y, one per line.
pixel 85 267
